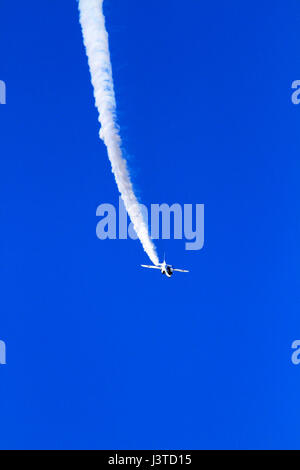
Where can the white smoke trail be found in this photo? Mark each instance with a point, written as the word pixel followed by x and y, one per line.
pixel 96 42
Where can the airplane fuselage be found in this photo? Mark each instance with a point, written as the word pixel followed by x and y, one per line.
pixel 166 269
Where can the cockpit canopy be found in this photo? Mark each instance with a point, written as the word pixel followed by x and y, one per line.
pixel 169 270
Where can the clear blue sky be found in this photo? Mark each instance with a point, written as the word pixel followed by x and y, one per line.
pixel 103 354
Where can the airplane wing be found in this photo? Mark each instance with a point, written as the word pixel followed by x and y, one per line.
pixel 152 266
pixel 181 270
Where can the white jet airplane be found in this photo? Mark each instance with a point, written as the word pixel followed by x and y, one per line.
pixel 165 268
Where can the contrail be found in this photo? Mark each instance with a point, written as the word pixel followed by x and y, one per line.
pixel 95 39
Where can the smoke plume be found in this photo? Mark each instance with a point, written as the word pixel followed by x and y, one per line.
pixel 95 39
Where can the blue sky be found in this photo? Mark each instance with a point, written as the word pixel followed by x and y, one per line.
pixel 100 353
